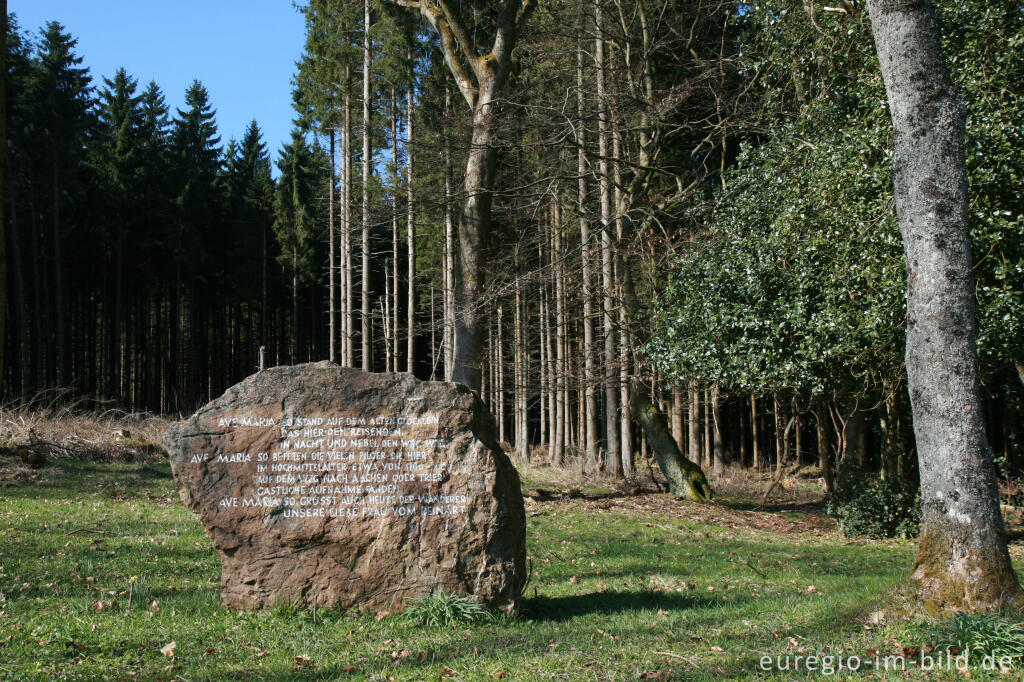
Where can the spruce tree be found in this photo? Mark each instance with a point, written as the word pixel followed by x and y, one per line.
pixel 303 171
pixel 61 90
pixel 118 165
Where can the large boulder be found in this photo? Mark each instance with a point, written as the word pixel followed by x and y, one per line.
pixel 327 486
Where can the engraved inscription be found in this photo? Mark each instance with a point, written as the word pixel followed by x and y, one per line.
pixel 339 466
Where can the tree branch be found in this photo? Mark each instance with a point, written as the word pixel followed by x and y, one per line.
pixel 450 45
pixel 457 26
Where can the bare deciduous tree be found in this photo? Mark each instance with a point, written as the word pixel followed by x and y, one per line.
pixel 962 559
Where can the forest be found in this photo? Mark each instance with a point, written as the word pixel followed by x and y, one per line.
pixel 659 239
pixel 692 195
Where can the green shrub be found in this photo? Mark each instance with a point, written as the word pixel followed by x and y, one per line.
pixel 441 609
pixel 983 635
pixel 882 509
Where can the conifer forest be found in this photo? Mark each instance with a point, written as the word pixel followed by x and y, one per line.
pixel 693 196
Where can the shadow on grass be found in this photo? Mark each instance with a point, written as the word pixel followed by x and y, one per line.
pixel 815 508
pixel 556 609
pixel 73 478
pixel 541 494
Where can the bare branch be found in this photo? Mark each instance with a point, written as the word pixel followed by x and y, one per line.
pixel 463 79
pixel 457 27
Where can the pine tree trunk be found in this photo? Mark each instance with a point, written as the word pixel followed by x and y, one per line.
pixel 589 430
pixel 742 433
pixel 118 367
pixel 781 437
pixel 501 377
pixel 348 299
pixel 695 446
pixel 393 342
pixel 824 457
pixel 58 280
pixel 22 361
pixel 755 435
pixel 625 286
pixel 410 227
pixel 798 431
pixel 492 398
pixel 709 428
pixel 547 405
pixel 561 371
pixel 367 323
pixel 720 456
pixel 332 306
pixel 449 252
pixel 433 336
pixel 519 372
pixel 677 414
pixel 295 306
pixel 962 558
pixel 613 461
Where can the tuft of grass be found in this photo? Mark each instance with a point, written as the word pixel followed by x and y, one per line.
pixel 981 635
pixel 442 609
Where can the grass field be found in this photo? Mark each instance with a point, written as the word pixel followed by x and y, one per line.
pixel 102 568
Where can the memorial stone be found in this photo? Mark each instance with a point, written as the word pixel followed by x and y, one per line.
pixel 327 486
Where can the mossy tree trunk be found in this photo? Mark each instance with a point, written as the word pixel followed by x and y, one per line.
pixel 684 477
pixel 962 559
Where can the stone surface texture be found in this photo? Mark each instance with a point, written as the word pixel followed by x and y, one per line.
pixel 270 555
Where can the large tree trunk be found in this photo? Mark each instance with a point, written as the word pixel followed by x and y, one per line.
pixel 962 559
pixel 474 225
pixel 479 85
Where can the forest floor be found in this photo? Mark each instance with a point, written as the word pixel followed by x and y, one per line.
pixel 624 586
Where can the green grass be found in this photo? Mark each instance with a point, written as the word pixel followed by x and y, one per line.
pixel 621 589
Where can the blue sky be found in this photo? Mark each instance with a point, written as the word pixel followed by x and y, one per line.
pixel 243 52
